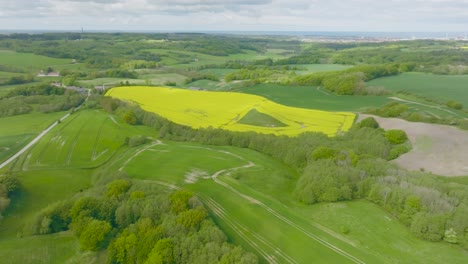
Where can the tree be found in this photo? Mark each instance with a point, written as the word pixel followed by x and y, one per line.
pixel 130 117
pixel 427 226
pixel 162 253
pixel 179 201
pixel 323 152
pixel 192 218
pixel 10 182
pixel 94 234
pixel 455 105
pixel 369 122
pixel 396 136
pixel 117 188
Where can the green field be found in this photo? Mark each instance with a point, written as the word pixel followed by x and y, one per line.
pixel 17 131
pixel 439 87
pixel 85 139
pixel 311 68
pixel 314 98
pixel 185 59
pixel 215 86
pixel 153 78
pixel 30 62
pixel 248 200
pixel 250 195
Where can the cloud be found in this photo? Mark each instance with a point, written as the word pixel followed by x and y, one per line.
pixel 199 15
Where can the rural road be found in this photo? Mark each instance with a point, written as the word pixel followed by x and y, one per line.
pixel 42 134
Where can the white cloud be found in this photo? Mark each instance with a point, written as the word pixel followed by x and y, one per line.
pixel 310 15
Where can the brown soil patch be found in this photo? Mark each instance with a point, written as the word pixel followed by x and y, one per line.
pixel 439 149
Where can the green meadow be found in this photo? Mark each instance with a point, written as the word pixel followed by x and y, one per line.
pixel 17 131
pixel 314 97
pixel 30 62
pixel 248 194
pixel 439 87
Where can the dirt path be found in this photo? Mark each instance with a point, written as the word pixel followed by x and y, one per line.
pixel 439 149
pixel 41 135
pixel 157 142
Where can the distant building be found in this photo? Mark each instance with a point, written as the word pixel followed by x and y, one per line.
pixel 50 74
pixel 80 90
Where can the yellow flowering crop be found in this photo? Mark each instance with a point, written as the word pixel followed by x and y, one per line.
pixel 202 109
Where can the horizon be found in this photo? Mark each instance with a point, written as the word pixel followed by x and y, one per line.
pixel 237 15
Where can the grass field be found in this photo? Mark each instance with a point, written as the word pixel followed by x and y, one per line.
pixel 260 229
pixel 215 86
pixel 17 131
pixel 249 195
pixel 30 62
pixel 314 98
pixel 155 79
pixel 438 87
pixel 84 140
pixel 223 110
pixel 185 59
pixel 311 68
pixel 248 198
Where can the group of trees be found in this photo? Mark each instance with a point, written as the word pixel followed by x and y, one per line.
pixel 347 82
pixel 42 98
pixel 20 79
pixel 140 223
pixel 9 185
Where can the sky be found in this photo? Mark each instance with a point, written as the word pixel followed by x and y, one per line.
pixel 236 15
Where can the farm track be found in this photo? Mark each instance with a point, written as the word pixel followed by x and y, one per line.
pixel 157 142
pixel 73 144
pixel 98 135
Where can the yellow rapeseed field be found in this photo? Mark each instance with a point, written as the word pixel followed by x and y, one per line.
pixel 202 109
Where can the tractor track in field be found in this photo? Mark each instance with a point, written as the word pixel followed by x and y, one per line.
pixel 157 142
pixel 40 136
pixel 96 140
pixel 281 217
pixel 238 229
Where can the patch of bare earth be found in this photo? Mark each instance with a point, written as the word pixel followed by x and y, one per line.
pixel 439 149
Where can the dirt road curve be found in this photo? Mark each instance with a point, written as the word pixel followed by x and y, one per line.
pixel 439 149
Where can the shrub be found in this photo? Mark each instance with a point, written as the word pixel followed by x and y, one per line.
pixel 323 152
pixel 117 187
pixel 369 122
pixel 454 104
pixel 397 151
pixel 396 136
